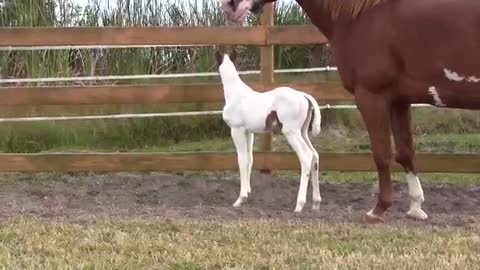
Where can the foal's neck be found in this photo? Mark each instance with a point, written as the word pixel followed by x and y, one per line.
pixel 233 86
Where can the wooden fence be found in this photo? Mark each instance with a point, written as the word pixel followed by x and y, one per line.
pixel 267 35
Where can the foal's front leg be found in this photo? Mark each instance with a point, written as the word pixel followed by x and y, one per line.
pixel 240 139
pixel 250 139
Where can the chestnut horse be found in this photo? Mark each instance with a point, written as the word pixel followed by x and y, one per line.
pixel 390 54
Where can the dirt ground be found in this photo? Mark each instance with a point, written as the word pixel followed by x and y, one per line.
pixel 169 196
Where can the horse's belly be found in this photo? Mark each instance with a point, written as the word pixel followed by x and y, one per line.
pixel 256 125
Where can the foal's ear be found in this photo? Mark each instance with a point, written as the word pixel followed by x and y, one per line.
pixel 233 55
pixel 219 57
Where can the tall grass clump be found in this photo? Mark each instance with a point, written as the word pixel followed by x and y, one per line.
pixel 62 13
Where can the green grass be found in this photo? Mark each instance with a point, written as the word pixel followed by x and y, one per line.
pixel 208 133
pixel 332 141
pixel 140 244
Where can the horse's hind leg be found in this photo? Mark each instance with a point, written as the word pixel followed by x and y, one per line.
pixel 316 198
pixel 304 154
pixel 239 136
pixel 401 127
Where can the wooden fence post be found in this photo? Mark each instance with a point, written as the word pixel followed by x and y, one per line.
pixel 267 68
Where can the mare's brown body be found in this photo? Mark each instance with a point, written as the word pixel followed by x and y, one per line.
pixel 393 53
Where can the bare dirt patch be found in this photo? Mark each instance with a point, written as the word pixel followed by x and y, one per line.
pixel 167 196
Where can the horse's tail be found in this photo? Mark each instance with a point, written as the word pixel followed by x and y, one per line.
pixel 317 118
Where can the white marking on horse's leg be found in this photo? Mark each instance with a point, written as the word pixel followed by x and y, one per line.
pixel 304 154
pixel 433 92
pixel 374 218
pixel 415 192
pixel 316 198
pixel 250 139
pixel 239 137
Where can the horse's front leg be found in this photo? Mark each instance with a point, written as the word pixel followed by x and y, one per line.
pixel 402 133
pixel 239 136
pixel 375 111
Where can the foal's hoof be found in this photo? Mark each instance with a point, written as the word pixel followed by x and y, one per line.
pixel 239 202
pixel 417 213
pixel 316 206
pixel 373 218
pixel 299 207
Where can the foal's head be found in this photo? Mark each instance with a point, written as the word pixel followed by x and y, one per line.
pixel 226 66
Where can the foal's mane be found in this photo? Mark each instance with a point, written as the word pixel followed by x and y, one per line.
pixel 348 8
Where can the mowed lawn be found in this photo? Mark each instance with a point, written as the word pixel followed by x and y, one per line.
pixel 141 244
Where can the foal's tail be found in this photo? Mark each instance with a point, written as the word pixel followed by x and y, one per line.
pixel 317 118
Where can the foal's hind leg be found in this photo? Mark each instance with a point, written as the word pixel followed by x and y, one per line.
pixel 304 154
pixel 401 127
pixel 316 198
pixel 239 136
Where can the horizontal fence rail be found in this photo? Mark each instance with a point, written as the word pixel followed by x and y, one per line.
pixel 149 94
pixel 158 76
pixel 144 162
pixel 215 35
pixel 150 115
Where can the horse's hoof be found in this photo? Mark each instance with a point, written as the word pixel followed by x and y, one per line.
pixel 417 213
pixel 374 219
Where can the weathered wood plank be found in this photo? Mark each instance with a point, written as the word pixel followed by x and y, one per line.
pixel 295 35
pixel 146 94
pixel 221 35
pixel 57 36
pixel 114 162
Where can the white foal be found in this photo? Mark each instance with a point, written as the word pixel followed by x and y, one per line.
pixel 247 112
